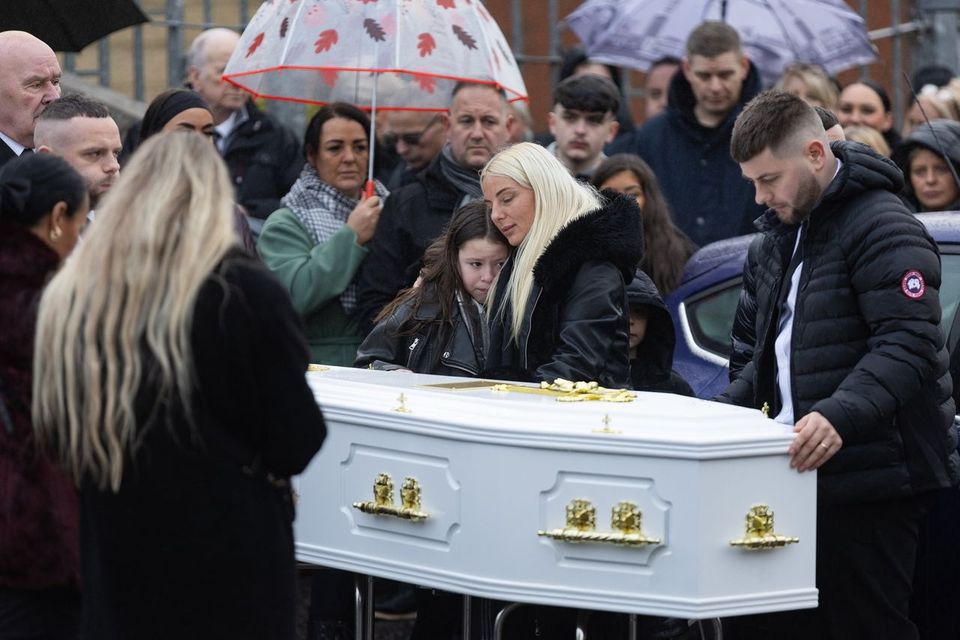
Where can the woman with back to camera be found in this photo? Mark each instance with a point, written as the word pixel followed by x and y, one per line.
pixel 440 325
pixel 170 380
pixel 43 207
pixel 317 241
pixel 559 307
pixel 666 247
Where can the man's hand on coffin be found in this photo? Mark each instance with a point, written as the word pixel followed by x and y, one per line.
pixel 816 442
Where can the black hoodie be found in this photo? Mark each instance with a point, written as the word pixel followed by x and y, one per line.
pixel 652 369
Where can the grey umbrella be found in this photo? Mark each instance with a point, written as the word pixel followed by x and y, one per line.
pixel 69 25
pixel 775 33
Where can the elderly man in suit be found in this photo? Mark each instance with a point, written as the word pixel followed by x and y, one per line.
pixel 29 81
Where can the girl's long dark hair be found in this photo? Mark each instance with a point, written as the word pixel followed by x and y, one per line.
pixel 440 276
pixel 666 247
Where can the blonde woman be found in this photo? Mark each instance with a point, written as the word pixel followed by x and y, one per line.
pixel 811 84
pixel 559 307
pixel 169 378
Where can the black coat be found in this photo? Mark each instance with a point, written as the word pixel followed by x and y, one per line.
pixel 867 351
pixel 198 543
pixel 453 349
pixel 708 197
pixel 264 159
pixel 576 322
pixel 652 369
pixel 6 153
pixel 412 218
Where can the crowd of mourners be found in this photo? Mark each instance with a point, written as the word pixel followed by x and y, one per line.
pixel 162 293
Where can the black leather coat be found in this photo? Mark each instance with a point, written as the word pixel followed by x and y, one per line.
pixel 576 323
pixel 454 349
pixel 867 351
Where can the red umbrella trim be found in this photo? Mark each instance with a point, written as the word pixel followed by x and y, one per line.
pixel 426 44
pixel 326 40
pixel 464 37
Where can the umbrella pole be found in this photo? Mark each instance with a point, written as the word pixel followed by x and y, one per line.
pixel 373 138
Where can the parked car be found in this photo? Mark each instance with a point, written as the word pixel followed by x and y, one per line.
pixel 704 305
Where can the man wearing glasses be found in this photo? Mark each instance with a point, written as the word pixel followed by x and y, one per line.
pixel 417 138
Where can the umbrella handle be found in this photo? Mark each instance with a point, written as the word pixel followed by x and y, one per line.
pixel 368 190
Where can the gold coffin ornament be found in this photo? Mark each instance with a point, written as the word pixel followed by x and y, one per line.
pixel 760 535
pixel 383 504
pixel 582 522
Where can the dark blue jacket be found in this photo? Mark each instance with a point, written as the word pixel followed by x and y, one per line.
pixel 707 195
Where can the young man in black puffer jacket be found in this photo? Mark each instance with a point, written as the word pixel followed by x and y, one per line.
pixel 849 351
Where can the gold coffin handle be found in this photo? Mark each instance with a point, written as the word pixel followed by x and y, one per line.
pixel 383 504
pixel 759 534
pixel 581 526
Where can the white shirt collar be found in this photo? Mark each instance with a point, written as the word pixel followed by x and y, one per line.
pixel 15 146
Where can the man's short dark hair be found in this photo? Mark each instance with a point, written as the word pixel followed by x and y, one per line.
pixel 673 61
pixel 768 121
pixel 461 85
pixel 75 105
pixel 827 117
pixel 712 39
pixel 588 93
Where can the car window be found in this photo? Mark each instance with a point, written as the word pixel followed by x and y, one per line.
pixel 949 289
pixel 711 314
pixel 711 317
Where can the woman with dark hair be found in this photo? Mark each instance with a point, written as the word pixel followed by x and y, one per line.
pixel 43 206
pixel 439 326
pixel 866 102
pixel 667 248
pixel 929 183
pixel 185 110
pixel 316 242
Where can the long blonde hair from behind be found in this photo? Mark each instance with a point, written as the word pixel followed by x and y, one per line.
pixel 558 199
pixel 122 305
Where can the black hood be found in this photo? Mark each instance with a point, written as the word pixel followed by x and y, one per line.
pixel 655 353
pixel 681 101
pixel 926 136
pixel 612 233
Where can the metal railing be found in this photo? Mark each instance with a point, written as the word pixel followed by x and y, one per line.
pixel 926 39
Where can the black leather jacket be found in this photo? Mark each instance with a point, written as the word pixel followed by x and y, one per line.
pixel 444 349
pixel 576 324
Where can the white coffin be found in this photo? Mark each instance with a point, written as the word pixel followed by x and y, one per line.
pixel 496 468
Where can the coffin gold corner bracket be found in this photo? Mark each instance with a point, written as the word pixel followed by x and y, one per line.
pixel 760 535
pixel 384 505
pixel 582 520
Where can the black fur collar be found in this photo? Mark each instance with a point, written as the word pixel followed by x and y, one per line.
pixel 613 233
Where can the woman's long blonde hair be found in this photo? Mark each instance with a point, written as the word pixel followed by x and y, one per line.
pixel 558 198
pixel 122 305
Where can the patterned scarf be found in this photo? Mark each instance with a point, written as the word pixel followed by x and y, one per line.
pixel 465 179
pixel 323 210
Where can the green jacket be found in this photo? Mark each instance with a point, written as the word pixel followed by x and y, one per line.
pixel 315 276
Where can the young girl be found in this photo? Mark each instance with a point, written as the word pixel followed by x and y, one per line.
pixel 439 326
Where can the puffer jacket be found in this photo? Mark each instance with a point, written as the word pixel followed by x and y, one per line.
pixel 925 137
pixel 867 351
pixel 449 349
pixel 576 322
pixel 708 198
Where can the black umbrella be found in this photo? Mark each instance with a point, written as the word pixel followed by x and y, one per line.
pixel 69 25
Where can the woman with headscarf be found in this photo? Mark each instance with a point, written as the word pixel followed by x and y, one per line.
pixel 923 157
pixel 185 110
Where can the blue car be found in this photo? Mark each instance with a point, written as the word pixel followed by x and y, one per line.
pixel 704 305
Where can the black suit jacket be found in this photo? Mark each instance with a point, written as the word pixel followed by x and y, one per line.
pixel 6 153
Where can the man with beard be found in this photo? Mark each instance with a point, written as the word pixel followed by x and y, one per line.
pixel 687 145
pixel 81 131
pixel 849 352
pixel 29 81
